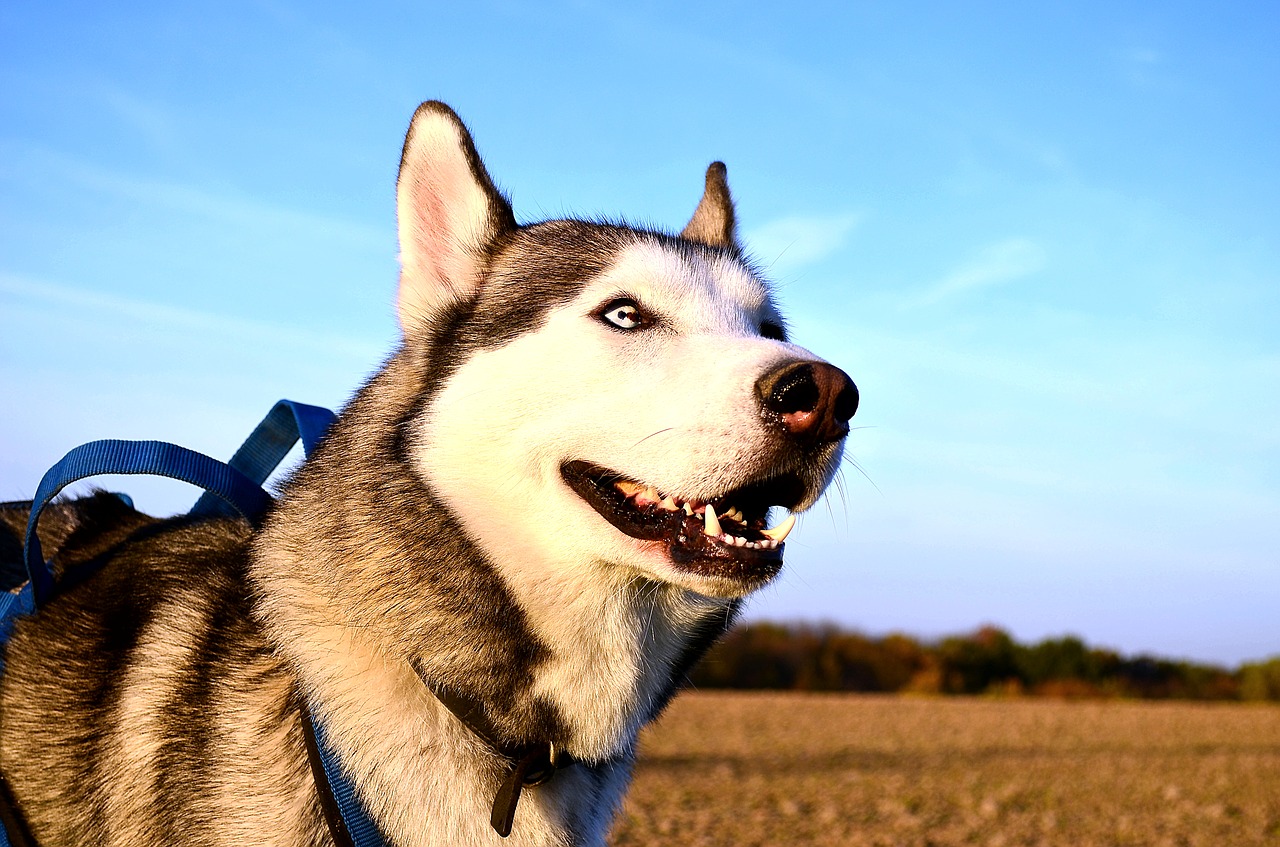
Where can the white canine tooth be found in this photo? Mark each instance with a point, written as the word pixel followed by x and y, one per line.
pixel 711 526
pixel 668 504
pixel 781 531
pixel 688 510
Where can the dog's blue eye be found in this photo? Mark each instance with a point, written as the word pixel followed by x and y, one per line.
pixel 624 314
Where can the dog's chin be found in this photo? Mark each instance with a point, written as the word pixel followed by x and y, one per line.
pixel 742 556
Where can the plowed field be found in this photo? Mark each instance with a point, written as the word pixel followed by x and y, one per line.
pixel 731 768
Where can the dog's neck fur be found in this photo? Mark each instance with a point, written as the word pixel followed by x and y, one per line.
pixel 582 664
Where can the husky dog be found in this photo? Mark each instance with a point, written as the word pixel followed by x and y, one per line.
pixel 547 504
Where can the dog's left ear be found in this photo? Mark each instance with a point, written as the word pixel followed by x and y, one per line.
pixel 713 222
pixel 451 216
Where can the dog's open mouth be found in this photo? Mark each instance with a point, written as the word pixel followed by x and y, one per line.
pixel 727 535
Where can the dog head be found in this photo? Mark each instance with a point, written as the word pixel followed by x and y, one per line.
pixel 604 398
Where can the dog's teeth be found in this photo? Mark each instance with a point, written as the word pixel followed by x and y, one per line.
pixel 668 504
pixel 711 526
pixel 733 514
pixel 781 531
pixel 739 541
pixel 688 510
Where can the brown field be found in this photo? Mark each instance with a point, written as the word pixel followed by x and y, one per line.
pixel 732 768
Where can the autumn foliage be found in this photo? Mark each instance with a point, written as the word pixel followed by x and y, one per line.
pixel 806 657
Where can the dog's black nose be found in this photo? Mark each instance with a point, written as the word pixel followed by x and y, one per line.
pixel 812 400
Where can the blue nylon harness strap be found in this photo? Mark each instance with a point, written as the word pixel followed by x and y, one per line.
pixel 14 603
pixel 349 823
pixel 135 457
pixel 233 488
pixel 268 444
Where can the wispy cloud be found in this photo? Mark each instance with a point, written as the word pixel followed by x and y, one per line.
pixel 1145 67
pixel 1143 56
pixel 996 264
pixel 147 119
pixel 32 164
pixel 786 244
pixel 115 311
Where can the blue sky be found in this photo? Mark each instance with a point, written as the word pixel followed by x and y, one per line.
pixel 1043 238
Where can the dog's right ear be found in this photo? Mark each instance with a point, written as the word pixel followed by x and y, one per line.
pixel 714 222
pixel 450 215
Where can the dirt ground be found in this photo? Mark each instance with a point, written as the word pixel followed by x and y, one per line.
pixel 733 768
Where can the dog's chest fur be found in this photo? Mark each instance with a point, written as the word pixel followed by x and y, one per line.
pixel 579 659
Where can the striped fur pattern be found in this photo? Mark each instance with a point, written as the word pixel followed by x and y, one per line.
pixel 485 509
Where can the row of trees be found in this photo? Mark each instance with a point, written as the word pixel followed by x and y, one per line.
pixel 804 657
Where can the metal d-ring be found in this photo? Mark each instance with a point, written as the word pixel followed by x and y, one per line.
pixel 541 769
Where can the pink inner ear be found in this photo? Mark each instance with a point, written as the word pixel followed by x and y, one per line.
pixel 447 215
pixel 433 241
pixel 444 214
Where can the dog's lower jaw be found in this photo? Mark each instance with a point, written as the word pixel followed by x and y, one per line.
pixel 715 580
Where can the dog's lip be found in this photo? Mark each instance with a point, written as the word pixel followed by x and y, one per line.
pixel 745 551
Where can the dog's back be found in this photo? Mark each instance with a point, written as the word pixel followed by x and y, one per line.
pixel 133 694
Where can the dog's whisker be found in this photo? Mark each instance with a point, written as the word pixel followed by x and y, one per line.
pixel 651 435
pixel 841 489
pixel 853 463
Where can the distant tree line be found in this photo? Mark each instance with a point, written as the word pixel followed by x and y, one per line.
pixel 807 657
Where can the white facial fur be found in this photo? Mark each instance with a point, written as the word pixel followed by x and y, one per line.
pixel 672 405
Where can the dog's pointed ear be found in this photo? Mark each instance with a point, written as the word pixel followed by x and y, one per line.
pixel 450 214
pixel 713 222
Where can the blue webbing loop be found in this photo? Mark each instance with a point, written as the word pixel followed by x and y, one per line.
pixel 269 443
pixel 113 456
